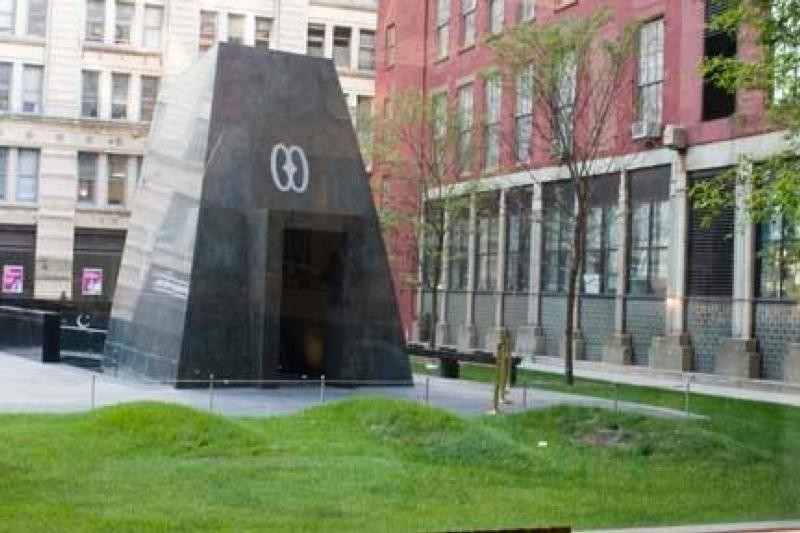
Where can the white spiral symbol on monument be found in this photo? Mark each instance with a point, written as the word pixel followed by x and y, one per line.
pixel 285 176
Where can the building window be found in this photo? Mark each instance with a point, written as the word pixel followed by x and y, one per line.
pixel 149 97
pixel 3 172
pixel 717 101
pixel 650 83
pixel 341 47
pixel 525 9
pixel 27 175
pixel 5 87
pixel 235 29
pixel 523 115
pixel 364 121
pixel 208 30
pixel 439 131
pixel 492 129
pixel 487 237
pixel 465 100
pixel 601 258
pixel 565 107
pixel 778 267
pixel 458 251
pixel 32 80
pixel 7 15
pixel 315 46
pixel 124 22
pixel 37 17
pixel 263 32
pixel 366 50
pixel 430 251
pixel 442 29
pixel 95 20
pixel 558 224
pixel 90 94
pixel 119 95
pixel 496 15
pixel 87 177
pixel 391 45
pixel 468 22
pixel 153 23
pixel 649 239
pixel 117 179
pixel 518 240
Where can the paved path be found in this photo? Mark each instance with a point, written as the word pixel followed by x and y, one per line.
pixel 29 387
pixel 713 385
pixel 760 527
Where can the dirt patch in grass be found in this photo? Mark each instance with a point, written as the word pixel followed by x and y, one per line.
pixel 609 437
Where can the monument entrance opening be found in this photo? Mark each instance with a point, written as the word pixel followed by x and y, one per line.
pixel 311 289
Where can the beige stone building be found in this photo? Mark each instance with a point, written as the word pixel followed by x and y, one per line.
pixel 78 84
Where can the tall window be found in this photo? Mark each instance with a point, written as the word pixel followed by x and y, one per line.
pixel 492 130
pixel 458 251
pixel 341 47
pixel 600 272
pixel 487 233
pixel 119 95
pixel 526 9
pixel 32 80
pixel 465 101
pixel 523 115
pixel 651 72
pixel 3 172
pixel 5 87
pixel 153 23
pixel 649 239
pixel 117 179
pixel 565 106
pixel 391 45
pixel 7 15
pixel 717 101
pixel 431 259
pixel 37 17
pixel 90 94
pixel 235 28
pixel 778 267
pixel 518 240
pixel 364 121
pixel 442 29
pixel 439 133
pixel 558 222
pixel 315 46
pixel 95 20
pixel 123 23
pixel 27 175
pixel 366 50
pixel 148 98
pixel 496 15
pixel 263 32
pixel 87 177
pixel 208 30
pixel 468 8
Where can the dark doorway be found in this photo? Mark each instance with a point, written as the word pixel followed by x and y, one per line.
pixel 313 268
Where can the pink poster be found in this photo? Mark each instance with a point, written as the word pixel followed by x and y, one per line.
pixel 92 282
pixel 13 276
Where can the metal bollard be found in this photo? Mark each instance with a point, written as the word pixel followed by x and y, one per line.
pixel 686 396
pixel 525 396
pixel 427 389
pixel 322 389
pixel 211 393
pixel 616 397
pixel 94 379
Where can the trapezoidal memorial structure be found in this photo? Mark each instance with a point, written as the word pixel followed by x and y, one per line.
pixel 254 250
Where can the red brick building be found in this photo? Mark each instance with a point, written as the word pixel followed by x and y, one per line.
pixel 664 291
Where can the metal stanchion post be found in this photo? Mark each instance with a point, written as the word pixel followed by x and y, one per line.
pixel 94 379
pixel 322 389
pixel 211 393
pixel 427 389
pixel 525 396
pixel 686 396
pixel 616 397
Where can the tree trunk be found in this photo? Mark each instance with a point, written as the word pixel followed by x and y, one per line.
pixel 576 267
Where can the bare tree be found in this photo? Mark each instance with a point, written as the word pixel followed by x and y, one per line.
pixel 574 71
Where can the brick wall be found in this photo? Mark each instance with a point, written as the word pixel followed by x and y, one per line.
pixel 554 312
pixel 484 318
pixel 644 319
pixel 708 321
pixel 776 325
pixel 597 325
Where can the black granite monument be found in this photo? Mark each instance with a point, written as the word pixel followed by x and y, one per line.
pixel 254 250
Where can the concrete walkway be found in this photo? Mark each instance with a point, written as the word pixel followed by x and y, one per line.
pixel 699 383
pixel 29 387
pixel 748 527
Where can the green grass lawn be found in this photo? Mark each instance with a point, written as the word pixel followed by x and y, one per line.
pixel 382 465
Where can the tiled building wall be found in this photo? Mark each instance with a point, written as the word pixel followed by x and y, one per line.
pixel 554 312
pixel 456 311
pixel 515 313
pixel 597 325
pixel 644 319
pixel 776 325
pixel 484 318
pixel 708 321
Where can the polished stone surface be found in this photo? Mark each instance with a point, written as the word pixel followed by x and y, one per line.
pixel 31 334
pixel 245 259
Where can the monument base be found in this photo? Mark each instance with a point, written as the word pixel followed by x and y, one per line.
pixel 618 350
pixel 530 341
pixel 672 352
pixel 466 337
pixel 738 358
